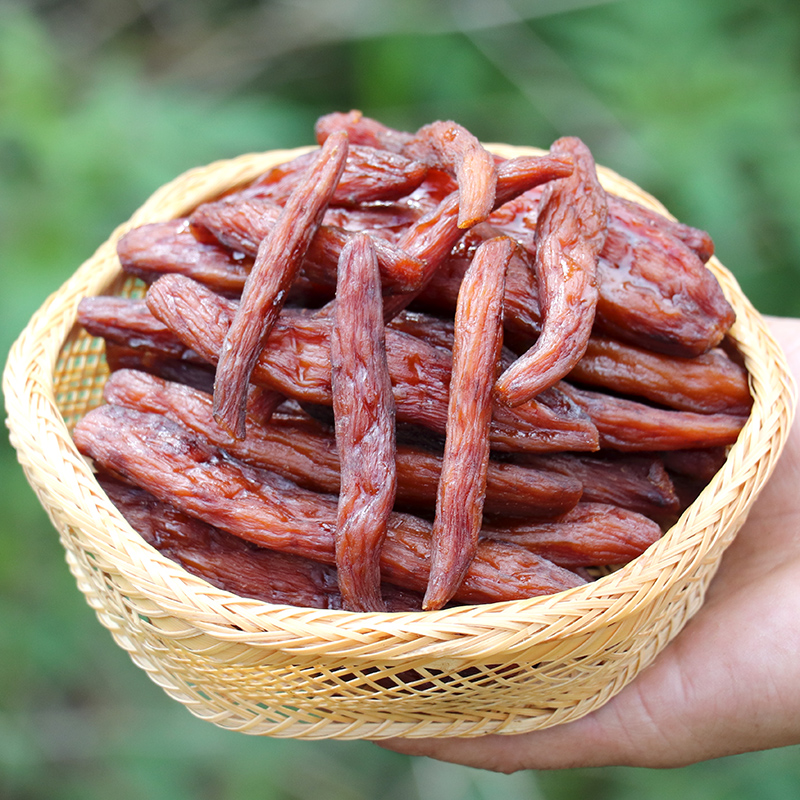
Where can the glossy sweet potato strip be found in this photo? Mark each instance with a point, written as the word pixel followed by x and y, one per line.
pixel 638 483
pixel 370 174
pixel 159 247
pixel 244 222
pixel 363 409
pixel 278 261
pixel 708 383
pixel 653 289
pixel 361 130
pixel 304 451
pixel 629 426
pixel 436 331
pixel 700 464
pixel 443 144
pixel 129 323
pixel 433 236
pixel 200 480
pixel 591 534
pixel 231 563
pixel 657 293
pixel 297 363
pixel 462 485
pixel 695 239
pixel 522 321
pixel 570 233
pixel 197 376
pixel 448 145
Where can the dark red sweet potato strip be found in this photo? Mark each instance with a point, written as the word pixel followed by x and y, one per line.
pixel 711 382
pixel 522 321
pixel 297 363
pixel 655 292
pixel 695 239
pixel 159 247
pixel 129 323
pixel 305 452
pixel 278 261
pixel 436 331
pixel 244 222
pixel 653 287
pixel 699 465
pixel 638 483
pixel 196 376
pixel 363 408
pixel 433 236
pixel 462 485
pixel 706 383
pixel 591 534
pixel 628 426
pixel 421 374
pixel 361 130
pixel 449 145
pixel 200 480
pixel 240 223
pixel 231 563
pixel 443 144
pixel 570 233
pixel 369 175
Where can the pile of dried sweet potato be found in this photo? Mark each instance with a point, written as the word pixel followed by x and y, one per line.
pixel 399 372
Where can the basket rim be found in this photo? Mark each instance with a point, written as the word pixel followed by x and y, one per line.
pixel 37 429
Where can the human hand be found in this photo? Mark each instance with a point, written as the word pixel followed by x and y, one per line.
pixel 728 683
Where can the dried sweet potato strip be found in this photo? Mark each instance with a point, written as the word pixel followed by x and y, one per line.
pixel 370 174
pixel 198 376
pixel 711 382
pixel 695 239
pixel 200 480
pixel 436 331
pixel 700 464
pixel 676 381
pixel 231 563
pixel 653 287
pixel 449 145
pixel 278 260
pixel 522 319
pixel 628 426
pixel 159 247
pixel 363 408
pixel 433 236
pixel 638 483
pixel 444 144
pixel 297 363
pixel 591 534
pixel 305 452
pixel 224 560
pixel 361 130
pixel 656 292
pixel 570 233
pixel 243 223
pixel 128 322
pixel 462 485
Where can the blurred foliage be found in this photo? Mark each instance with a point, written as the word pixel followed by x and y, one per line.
pixel 102 101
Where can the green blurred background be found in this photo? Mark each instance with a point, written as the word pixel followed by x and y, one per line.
pixel 102 101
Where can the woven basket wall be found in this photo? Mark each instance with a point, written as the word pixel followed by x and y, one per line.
pixel 294 672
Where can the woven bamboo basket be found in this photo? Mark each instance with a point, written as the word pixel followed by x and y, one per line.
pixel 294 672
